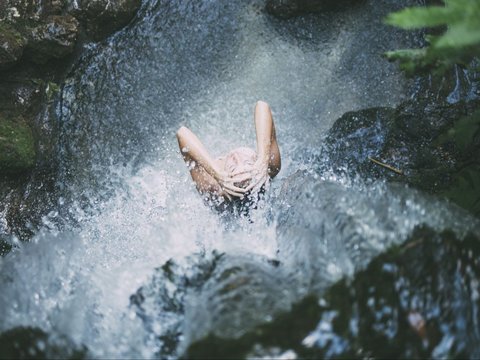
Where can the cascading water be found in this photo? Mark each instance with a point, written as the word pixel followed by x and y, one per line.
pixel 127 204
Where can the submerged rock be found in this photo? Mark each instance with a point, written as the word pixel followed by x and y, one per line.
pixel 419 299
pixel 34 343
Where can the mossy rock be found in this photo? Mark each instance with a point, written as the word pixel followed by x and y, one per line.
pixel 17 146
pixel 12 44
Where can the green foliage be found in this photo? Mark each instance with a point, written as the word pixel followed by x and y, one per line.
pixel 459 43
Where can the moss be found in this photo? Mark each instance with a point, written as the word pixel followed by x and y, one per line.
pixel 51 90
pixel 17 149
pixel 12 47
pixel 10 33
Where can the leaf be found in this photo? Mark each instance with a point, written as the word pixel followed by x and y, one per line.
pixel 458 36
pixel 459 44
pixel 421 17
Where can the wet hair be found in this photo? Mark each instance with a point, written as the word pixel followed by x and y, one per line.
pixel 240 159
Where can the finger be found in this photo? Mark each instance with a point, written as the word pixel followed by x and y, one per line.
pixel 251 186
pixel 259 185
pixel 267 183
pixel 234 193
pixel 240 171
pixel 234 188
pixel 241 177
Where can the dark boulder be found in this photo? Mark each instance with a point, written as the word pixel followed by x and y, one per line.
pixel 104 17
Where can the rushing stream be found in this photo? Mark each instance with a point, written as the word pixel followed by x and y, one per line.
pixel 126 204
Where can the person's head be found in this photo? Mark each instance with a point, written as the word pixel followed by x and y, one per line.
pixel 240 159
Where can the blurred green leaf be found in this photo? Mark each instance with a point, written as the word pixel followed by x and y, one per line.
pixel 420 17
pixel 458 44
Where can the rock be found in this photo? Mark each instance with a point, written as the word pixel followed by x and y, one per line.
pixel 288 8
pixel 12 44
pixel 54 38
pixel 407 139
pixel 17 148
pixel 53 7
pixel 104 17
pixel 417 300
pixel 220 295
pixel 34 343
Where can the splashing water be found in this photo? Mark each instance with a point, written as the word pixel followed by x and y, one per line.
pixel 127 202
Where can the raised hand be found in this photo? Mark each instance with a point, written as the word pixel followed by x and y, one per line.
pixel 256 175
pixel 227 183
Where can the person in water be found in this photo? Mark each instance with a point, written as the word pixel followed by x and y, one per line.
pixel 240 172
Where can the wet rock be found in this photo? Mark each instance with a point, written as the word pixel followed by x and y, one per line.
pixel 406 141
pixel 219 295
pixel 34 343
pixel 53 7
pixel 55 38
pixel 103 17
pixel 5 247
pixel 160 303
pixel 12 44
pixel 17 148
pixel 288 8
pixel 416 300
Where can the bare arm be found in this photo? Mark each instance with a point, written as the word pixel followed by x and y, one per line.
pixel 267 148
pixel 204 170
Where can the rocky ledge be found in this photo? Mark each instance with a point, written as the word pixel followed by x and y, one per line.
pixel 34 36
pixel 39 40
